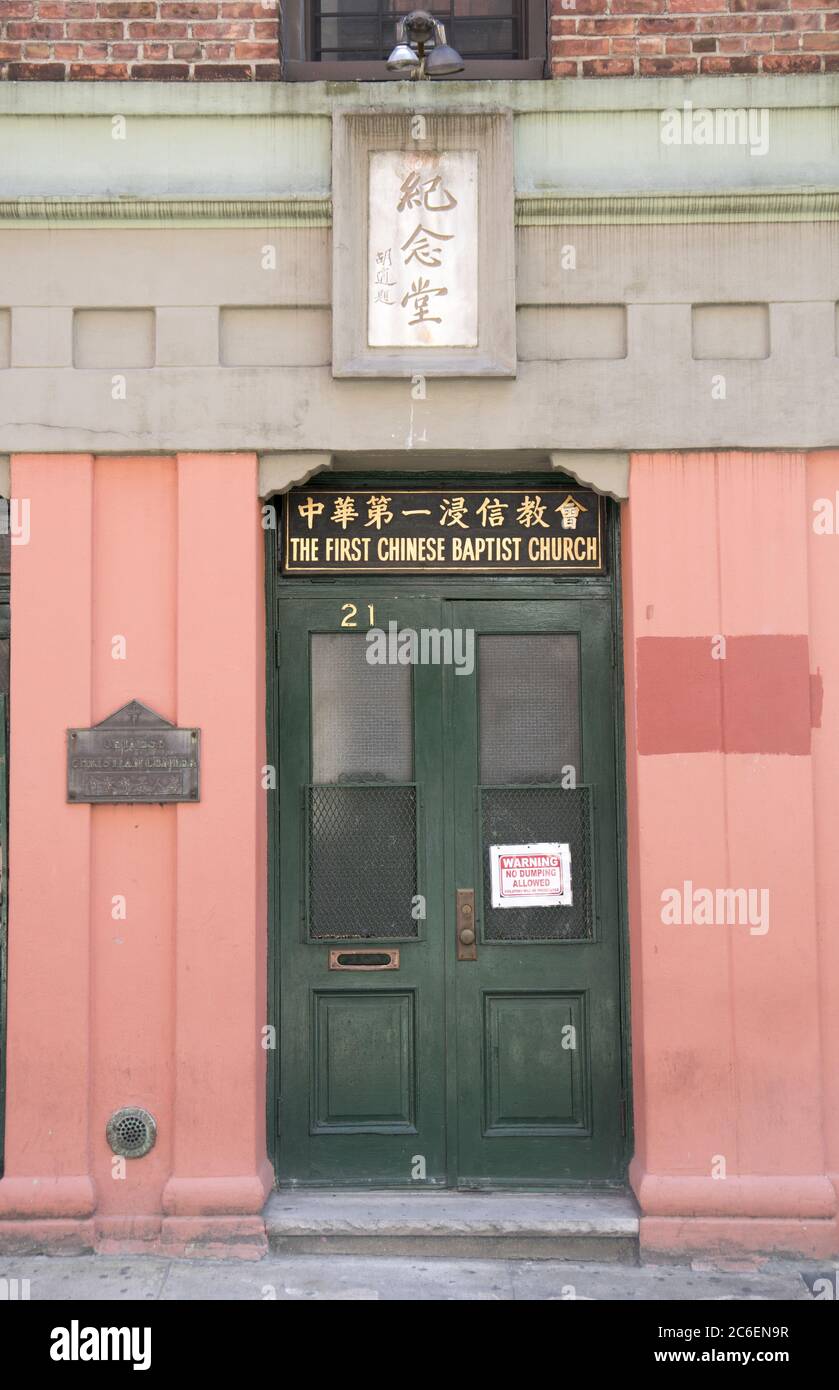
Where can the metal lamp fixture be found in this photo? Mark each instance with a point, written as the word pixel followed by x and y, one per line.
pixel 417 32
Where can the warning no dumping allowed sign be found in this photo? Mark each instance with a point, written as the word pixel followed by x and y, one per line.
pixel 531 875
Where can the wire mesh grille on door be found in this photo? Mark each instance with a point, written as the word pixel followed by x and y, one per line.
pixel 534 815
pixel 362 862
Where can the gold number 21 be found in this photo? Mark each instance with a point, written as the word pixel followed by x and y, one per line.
pixel 350 610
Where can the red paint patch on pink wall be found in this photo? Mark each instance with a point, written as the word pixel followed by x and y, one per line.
pixel 750 695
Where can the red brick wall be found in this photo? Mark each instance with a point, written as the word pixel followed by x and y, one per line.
pixel 682 38
pixel 228 40
pixel 161 40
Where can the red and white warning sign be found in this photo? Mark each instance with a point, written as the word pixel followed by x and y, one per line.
pixel 531 875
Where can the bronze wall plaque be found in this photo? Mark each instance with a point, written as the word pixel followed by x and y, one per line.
pixel 133 756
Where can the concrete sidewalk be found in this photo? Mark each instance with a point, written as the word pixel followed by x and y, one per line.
pixel 348 1277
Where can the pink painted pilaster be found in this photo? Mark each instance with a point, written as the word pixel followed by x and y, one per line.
pixel 823 510
pixel 221 1174
pixel 142 578
pixel 726 1020
pixel 48 1159
pixel 133 846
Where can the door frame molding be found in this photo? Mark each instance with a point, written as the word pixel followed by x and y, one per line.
pixel 522 587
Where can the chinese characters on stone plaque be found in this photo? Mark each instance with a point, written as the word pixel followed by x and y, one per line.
pixel 423 249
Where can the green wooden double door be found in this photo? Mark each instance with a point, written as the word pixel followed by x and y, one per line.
pixel 436 1026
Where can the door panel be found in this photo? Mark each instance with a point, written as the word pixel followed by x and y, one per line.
pixel 536 1013
pixel 534 1086
pixel 364 1061
pixel 361 862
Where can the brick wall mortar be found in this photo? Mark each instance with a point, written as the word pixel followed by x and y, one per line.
pixel 161 40
pixel 690 38
pixel 238 40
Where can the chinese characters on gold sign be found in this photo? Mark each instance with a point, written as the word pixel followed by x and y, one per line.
pixel 484 530
pixel 423 249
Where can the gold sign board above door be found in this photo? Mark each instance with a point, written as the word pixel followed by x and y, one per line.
pixel 465 531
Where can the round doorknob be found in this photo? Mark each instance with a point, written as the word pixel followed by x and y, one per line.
pixel 467 936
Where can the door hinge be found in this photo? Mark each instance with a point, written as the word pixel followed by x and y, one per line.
pixel 623 1113
pixel 279 1113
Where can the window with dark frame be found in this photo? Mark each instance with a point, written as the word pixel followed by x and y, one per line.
pixel 359 30
pixel 351 40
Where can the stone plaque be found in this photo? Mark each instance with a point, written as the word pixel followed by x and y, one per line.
pixel 133 756
pixel 423 253
pixel 422 272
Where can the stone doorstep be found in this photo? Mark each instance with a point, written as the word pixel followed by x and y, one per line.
pixel 590 1226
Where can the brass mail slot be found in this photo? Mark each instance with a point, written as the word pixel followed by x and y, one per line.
pixel 364 960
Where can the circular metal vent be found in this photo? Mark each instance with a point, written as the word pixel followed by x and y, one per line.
pixel 131 1132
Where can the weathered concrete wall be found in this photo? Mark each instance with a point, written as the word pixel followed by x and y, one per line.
pixel 210 213
pixel 235 142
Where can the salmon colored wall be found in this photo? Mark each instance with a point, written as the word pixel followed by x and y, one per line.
pixel 823 575
pixel 164 1008
pixel 731 787
pixel 731 768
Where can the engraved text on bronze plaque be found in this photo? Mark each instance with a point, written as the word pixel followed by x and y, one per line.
pixel 134 756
